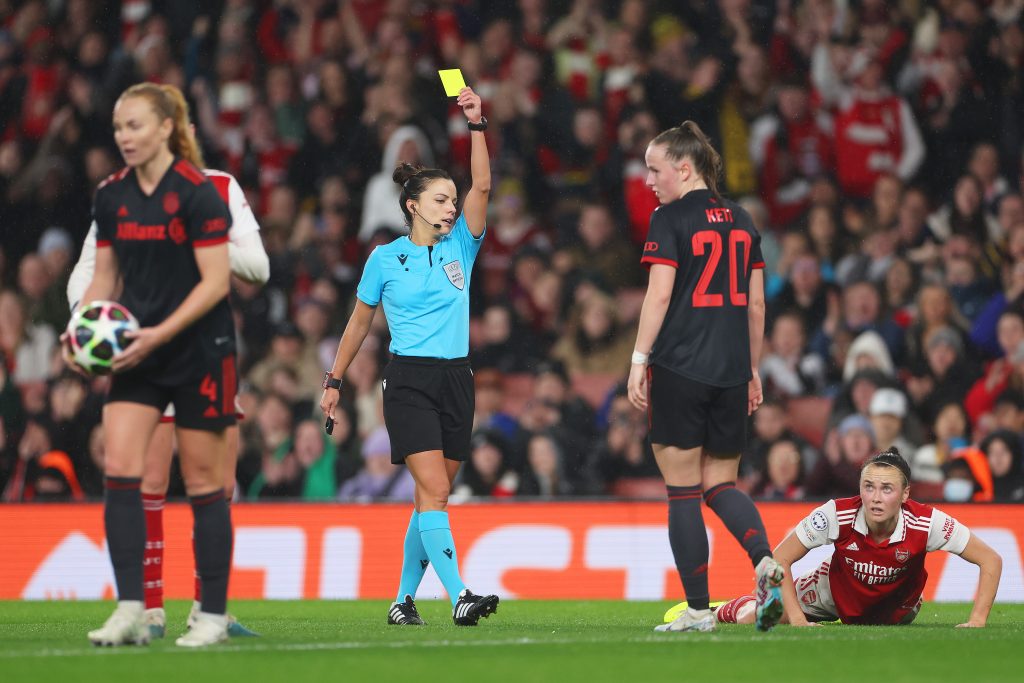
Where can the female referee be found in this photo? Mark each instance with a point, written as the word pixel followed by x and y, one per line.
pixel 249 262
pixel 162 230
pixel 423 280
pixel 694 366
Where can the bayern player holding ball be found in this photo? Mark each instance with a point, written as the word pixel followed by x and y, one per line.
pixel 423 281
pixel 162 231
pixel 876 574
pixel 249 262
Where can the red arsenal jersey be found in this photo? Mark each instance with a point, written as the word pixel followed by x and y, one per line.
pixel 879 583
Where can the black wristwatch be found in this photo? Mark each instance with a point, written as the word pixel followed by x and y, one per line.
pixel 331 382
pixel 478 126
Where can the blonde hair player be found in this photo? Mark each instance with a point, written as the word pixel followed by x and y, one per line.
pixel 249 262
pixel 174 277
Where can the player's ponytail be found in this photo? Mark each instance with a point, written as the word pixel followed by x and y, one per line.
pixel 168 103
pixel 688 140
pixel 413 179
pixel 183 142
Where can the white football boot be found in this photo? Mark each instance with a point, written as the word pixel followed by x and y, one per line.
pixel 691 620
pixel 126 626
pixel 206 629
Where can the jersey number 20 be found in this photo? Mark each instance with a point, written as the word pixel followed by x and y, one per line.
pixel 713 239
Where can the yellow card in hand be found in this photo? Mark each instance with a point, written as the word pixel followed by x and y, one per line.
pixel 452 81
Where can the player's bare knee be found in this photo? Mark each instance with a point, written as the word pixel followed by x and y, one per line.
pixel 117 464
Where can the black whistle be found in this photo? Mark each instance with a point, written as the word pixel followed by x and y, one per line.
pixel 329 425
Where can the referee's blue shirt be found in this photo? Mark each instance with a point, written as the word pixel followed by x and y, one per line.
pixel 425 291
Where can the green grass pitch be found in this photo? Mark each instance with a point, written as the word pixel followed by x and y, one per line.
pixel 525 641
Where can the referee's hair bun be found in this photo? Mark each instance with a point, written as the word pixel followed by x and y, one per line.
pixel 404 171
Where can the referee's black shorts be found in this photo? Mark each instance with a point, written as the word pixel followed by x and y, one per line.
pixel 428 406
pixel 687 414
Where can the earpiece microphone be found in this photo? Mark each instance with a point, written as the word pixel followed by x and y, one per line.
pixel 435 226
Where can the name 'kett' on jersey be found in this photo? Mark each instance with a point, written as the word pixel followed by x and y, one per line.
pixel 714 247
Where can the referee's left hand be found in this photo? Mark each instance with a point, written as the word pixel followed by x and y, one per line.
pixel 636 387
pixel 145 341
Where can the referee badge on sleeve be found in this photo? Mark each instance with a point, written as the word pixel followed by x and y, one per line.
pixel 454 272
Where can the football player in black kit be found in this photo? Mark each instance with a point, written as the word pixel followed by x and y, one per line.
pixel 694 366
pixel 162 230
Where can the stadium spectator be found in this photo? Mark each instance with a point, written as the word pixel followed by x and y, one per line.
pixel 946 377
pixel 598 249
pixel 1000 373
pixel 950 431
pixel 487 473
pixel 490 398
pixel 786 369
pixel 27 347
pixel 888 414
pixel 504 344
pixel 545 473
pixel 845 454
pixel 594 341
pixel 1005 455
pixel 875 129
pixel 784 473
pixel 790 146
pixel 968 477
pixel 378 479
pixel 622 453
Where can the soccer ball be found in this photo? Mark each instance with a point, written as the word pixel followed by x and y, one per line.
pixel 97 334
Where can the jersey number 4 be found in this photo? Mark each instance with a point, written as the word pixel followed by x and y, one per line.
pixel 702 241
pixel 208 388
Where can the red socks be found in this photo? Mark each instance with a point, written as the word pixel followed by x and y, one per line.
pixel 729 612
pixel 153 558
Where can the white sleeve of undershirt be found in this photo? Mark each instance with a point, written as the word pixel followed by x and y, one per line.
pixel 248 258
pixel 83 271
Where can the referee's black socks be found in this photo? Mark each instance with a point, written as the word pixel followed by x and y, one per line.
pixel 211 529
pixel 125 526
pixel 740 517
pixel 689 541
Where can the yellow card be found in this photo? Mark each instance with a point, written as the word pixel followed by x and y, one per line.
pixel 452 81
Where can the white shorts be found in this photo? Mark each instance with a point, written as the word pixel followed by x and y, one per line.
pixel 815 596
pixel 168 415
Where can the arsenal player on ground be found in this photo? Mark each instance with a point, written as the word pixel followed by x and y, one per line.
pixel 249 262
pixel 162 230
pixel 876 574
pixel 695 363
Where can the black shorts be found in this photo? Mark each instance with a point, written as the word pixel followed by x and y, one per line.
pixel 686 413
pixel 428 406
pixel 207 403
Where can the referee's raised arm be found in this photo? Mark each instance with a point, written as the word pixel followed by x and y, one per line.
pixel 475 208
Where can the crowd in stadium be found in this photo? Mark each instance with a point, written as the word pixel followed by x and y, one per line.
pixel 877 144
